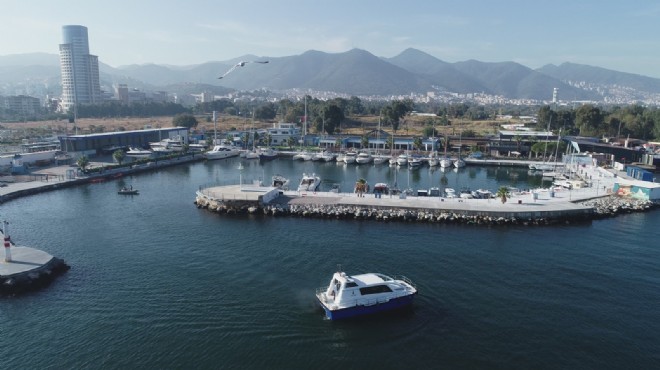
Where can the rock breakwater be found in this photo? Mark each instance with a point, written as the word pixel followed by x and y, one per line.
pixel 614 205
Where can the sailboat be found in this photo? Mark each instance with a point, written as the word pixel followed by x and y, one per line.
pixel 445 162
pixel 459 162
pixel 303 155
pixel 378 158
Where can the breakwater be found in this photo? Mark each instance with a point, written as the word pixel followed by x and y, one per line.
pixel 333 210
pixel 33 279
pixel 614 205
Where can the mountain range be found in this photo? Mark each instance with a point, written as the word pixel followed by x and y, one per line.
pixel 355 72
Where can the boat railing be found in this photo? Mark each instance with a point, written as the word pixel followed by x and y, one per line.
pixel 406 280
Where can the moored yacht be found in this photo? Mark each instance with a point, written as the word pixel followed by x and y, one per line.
pixel 402 160
pixel 309 182
pixel 363 158
pixel 349 296
pixel 138 153
pixel 350 157
pixel 222 151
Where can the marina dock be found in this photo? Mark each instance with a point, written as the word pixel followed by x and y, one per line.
pixel 538 206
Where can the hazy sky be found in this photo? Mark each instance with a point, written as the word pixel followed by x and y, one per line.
pixel 604 33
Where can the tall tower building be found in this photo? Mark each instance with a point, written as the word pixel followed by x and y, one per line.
pixel 80 70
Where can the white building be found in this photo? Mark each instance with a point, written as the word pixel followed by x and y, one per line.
pixel 80 69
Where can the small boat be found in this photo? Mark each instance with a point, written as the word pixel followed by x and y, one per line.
pixel 433 159
pixel 446 162
pixel 128 191
pixel 349 296
pixel 402 160
pixel 434 192
pixel 280 182
pixel 483 194
pixel 363 158
pixel 302 156
pixel 381 188
pixel 327 156
pixel 459 163
pixel 414 162
pixel 268 154
pixel 309 182
pixel 379 159
pixel 252 155
pixel 350 157
pixel 450 193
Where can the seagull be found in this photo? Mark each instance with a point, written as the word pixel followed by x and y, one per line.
pixel 242 64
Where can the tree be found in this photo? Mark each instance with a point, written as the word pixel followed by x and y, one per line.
pixel 364 141
pixel 119 156
pixel 83 162
pixel 291 141
pixel 588 119
pixel 184 120
pixel 390 142
pixel 417 143
pixel 333 117
pixel 502 193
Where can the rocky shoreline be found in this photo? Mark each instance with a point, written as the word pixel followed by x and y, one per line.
pixel 602 207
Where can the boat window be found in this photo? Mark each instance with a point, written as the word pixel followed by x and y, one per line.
pixel 375 289
pixel 351 285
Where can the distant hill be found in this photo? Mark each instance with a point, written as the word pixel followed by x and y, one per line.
pixel 355 72
pixel 602 76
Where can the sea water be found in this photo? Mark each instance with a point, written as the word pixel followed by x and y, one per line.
pixel 157 283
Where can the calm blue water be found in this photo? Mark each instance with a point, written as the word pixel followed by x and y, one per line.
pixel 157 283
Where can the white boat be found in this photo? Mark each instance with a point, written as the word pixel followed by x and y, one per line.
pixel 446 162
pixel 138 153
pixel 309 182
pixel 466 194
pixel 380 159
pixel 450 193
pixel 541 167
pixel 483 194
pixel 348 296
pixel 402 160
pixel 326 156
pixel 252 154
pixel 414 162
pixel 280 182
pixel 363 158
pixel 222 151
pixel 350 157
pixel 433 159
pixel 197 148
pixel 302 156
pixel 459 163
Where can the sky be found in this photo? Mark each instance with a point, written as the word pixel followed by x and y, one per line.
pixel 604 33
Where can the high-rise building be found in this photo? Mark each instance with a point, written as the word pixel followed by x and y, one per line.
pixel 80 69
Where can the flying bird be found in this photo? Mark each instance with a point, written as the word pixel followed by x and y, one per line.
pixel 242 64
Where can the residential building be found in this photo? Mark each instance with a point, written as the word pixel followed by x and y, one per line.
pixel 80 69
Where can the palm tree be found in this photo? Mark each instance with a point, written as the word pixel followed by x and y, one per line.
pixel 502 193
pixel 119 156
pixel 83 162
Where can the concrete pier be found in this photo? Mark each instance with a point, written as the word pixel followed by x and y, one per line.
pixel 29 269
pixel 538 206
